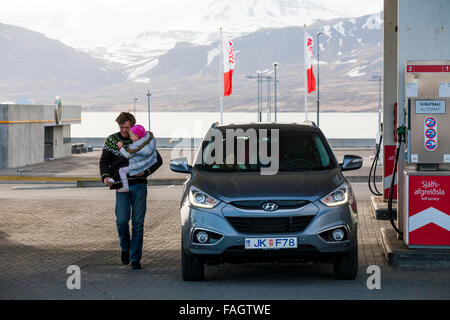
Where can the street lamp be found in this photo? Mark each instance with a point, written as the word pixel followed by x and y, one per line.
pixel 318 77
pixel 260 97
pixel 269 98
pixel 134 101
pixel 275 65
pixel 148 96
pixel 260 78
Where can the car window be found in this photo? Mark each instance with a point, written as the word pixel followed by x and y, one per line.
pixel 297 151
pixel 302 151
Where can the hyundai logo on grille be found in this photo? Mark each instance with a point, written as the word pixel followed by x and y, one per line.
pixel 270 206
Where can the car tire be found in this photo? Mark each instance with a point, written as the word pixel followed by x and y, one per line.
pixel 346 266
pixel 192 267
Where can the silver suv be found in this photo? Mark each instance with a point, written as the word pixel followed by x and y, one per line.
pixel 267 192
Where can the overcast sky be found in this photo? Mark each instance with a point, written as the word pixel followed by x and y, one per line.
pixel 76 19
pixel 354 7
pixel 20 8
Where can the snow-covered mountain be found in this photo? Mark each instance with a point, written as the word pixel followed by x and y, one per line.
pixel 340 43
pixel 199 22
pixel 185 77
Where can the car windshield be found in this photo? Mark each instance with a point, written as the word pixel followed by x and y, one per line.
pixel 297 151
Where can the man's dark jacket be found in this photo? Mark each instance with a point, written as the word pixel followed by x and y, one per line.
pixel 112 160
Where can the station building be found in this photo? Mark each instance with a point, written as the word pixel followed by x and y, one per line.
pixel 31 134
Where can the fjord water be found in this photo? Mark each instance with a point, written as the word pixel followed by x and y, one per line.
pixel 194 124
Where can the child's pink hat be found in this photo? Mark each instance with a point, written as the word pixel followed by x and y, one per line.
pixel 138 130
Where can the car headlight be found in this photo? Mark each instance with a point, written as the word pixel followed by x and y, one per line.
pixel 200 199
pixel 338 197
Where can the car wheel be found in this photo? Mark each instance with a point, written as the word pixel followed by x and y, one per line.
pixel 346 266
pixel 192 267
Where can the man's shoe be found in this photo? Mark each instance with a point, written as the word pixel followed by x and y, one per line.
pixel 125 257
pixel 135 265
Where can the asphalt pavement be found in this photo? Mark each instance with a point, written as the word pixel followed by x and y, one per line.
pixel 47 224
pixel 44 229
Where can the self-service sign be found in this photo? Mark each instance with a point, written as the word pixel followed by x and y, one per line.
pixel 428 210
pixel 430 133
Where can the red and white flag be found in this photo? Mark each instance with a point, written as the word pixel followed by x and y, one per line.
pixel 309 63
pixel 228 66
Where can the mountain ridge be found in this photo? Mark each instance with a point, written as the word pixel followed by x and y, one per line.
pixel 185 78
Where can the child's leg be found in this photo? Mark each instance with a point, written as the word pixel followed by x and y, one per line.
pixel 123 176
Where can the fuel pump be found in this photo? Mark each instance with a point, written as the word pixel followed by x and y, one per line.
pixel 400 133
pixel 426 134
pixel 373 168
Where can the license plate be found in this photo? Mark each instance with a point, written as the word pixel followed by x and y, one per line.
pixel 270 243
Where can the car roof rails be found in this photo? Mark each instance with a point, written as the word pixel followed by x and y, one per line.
pixel 310 123
pixel 214 125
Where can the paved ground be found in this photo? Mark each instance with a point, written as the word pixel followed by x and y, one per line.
pixel 44 229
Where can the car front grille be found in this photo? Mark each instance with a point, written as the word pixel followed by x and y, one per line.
pixel 270 224
pixel 257 204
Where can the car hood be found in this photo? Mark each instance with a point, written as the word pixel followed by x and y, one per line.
pixel 230 186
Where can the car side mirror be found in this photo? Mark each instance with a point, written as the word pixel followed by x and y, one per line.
pixel 180 165
pixel 351 163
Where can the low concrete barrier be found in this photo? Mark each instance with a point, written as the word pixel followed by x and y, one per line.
pixel 187 143
pixel 151 182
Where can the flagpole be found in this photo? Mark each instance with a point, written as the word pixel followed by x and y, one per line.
pixel 221 78
pixel 304 69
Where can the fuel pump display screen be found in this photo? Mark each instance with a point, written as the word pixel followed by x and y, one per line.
pixel 430 106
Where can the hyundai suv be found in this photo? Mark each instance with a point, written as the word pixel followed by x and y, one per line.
pixel 267 192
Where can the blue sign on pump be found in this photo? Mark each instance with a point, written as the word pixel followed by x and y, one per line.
pixel 430 130
pixel 430 145
pixel 430 122
pixel 430 133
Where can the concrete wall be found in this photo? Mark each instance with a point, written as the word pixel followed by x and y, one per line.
pixel 169 143
pixel 61 149
pixel 23 143
pixel 25 140
pixel 3 137
pixel 71 112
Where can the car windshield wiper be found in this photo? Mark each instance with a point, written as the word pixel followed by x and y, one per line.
pixel 303 169
pixel 219 169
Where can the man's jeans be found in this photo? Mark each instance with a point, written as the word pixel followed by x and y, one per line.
pixel 134 202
